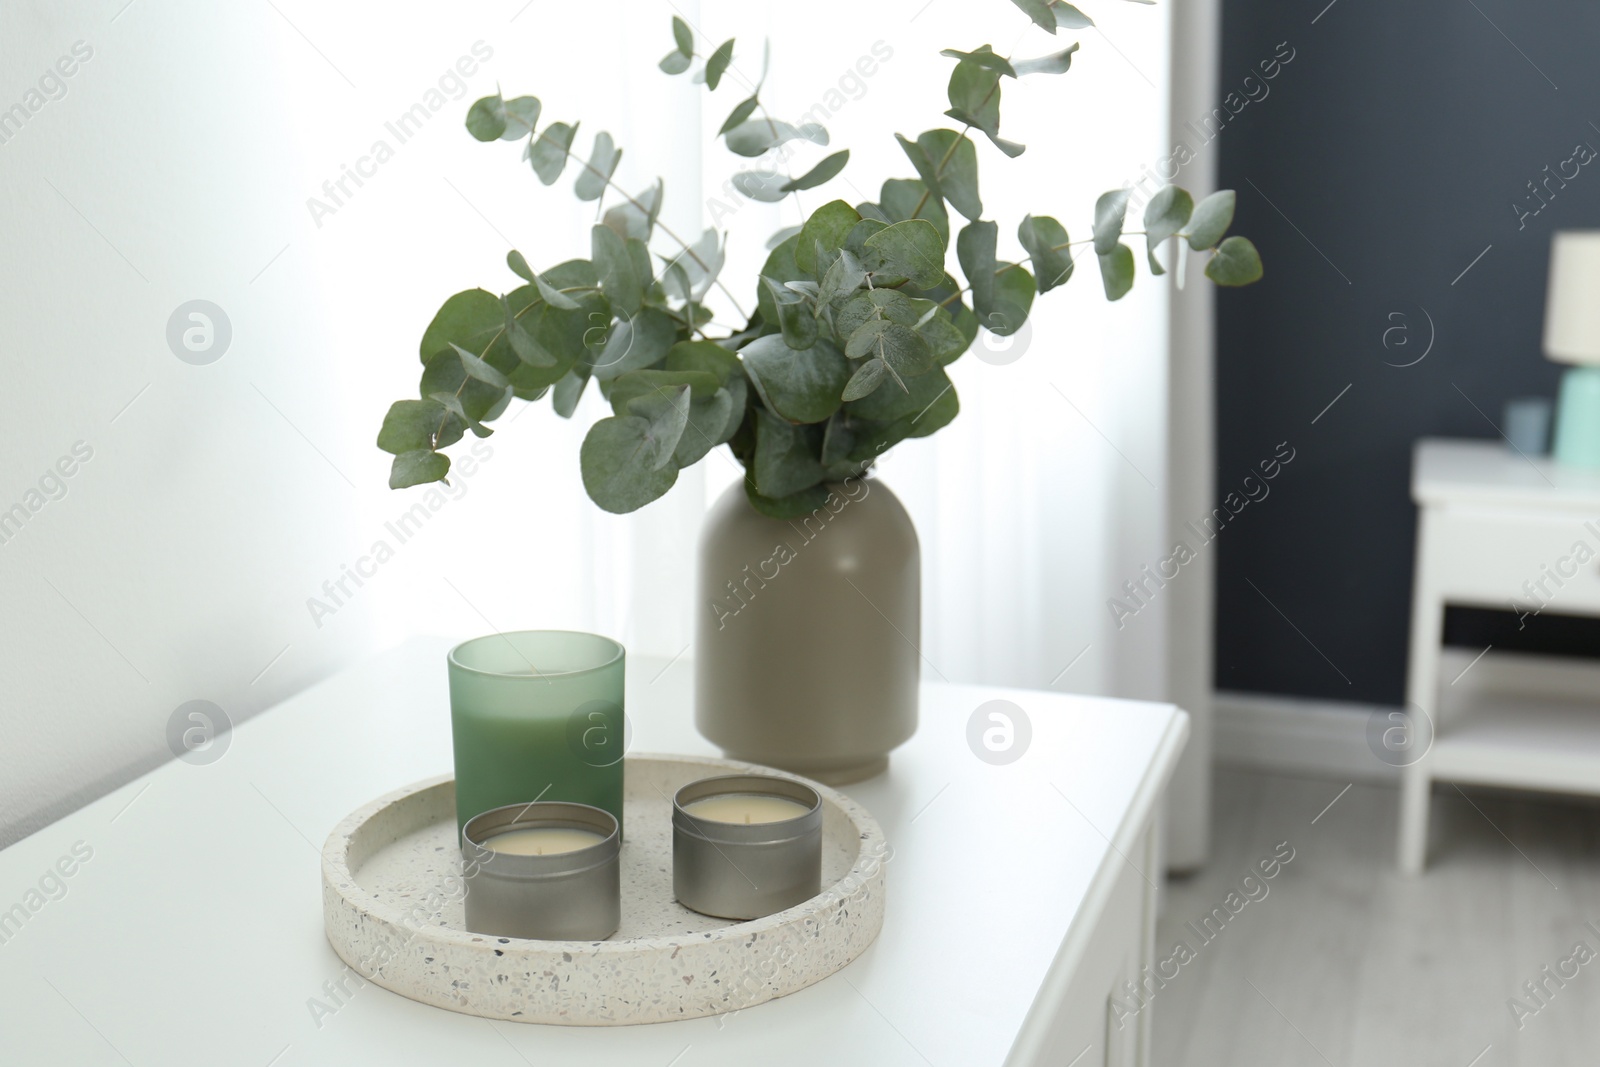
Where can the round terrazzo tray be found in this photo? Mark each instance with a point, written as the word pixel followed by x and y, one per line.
pixel 392 908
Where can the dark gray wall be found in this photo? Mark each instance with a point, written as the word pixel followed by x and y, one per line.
pixel 1393 146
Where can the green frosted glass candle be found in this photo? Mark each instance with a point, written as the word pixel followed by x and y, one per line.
pixel 537 715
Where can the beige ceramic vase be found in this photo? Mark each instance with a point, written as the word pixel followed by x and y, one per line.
pixel 807 632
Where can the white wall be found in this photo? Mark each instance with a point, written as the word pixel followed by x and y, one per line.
pixel 182 156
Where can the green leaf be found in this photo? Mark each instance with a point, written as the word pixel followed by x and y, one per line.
pixel 1054 63
pixel 682 36
pixel 947 162
pixel 794 317
pixel 410 425
pixel 866 379
pixel 522 342
pixel 1039 11
pixel 637 220
pixel 614 265
pixel 521 116
pixel 468 318
pixel 984 56
pixel 702 385
pixel 945 339
pixel 1014 289
pixel 637 342
pixel 910 249
pixel 567 392
pixel 1010 148
pixel 486 118
pixel 754 136
pixel 1211 219
pixel 1070 18
pixel 548 152
pixel 613 462
pixel 797 385
pixel 829 225
pixel 793 506
pixel 874 304
pixel 780 265
pixel 975 247
pixel 825 171
pixel 415 468
pixel 1235 262
pixel 842 279
pixel 674 62
pixel 1116 271
pixel 718 64
pixel 667 412
pixel 1109 212
pixel 887 405
pixel 518 265
pixel 785 459
pixel 901 199
pixel 704 356
pixel 975 92
pixel 743 111
pixel 553 296
pixel 477 368
pixel 602 164
pixel 902 348
pixel 1046 242
pixel 767 186
pixel 1166 213
pixel 708 420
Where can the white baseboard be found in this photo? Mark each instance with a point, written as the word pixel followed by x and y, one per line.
pixel 1294 735
pixel 1328 738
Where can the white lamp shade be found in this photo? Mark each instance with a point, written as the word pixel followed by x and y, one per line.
pixel 1572 299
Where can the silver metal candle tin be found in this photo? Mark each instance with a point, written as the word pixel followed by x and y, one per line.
pixel 739 871
pixel 569 896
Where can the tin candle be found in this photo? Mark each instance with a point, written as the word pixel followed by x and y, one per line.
pixel 746 845
pixel 548 871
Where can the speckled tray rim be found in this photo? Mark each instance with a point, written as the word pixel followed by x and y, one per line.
pixel 865 876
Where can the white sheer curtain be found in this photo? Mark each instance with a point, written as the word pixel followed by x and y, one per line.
pixel 1033 507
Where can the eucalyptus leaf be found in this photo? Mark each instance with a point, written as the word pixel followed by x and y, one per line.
pixel 1014 290
pixel 794 317
pixel 1054 63
pixel 793 506
pixel 519 265
pixel 1211 219
pixel 1069 17
pixel 842 279
pixel 1109 212
pixel 887 405
pixel 781 236
pixel 754 136
pixel 785 460
pixel 555 297
pixel 567 392
pixel 468 318
pixel 829 225
pixel 767 186
pixel 1116 271
pixel 623 391
pixel 548 152
pixel 618 280
pixel 823 172
pixel 874 304
pixel 1166 213
pixel 796 385
pixel 521 116
pixel 602 165
pixel 974 91
pixel 522 342
pixel 952 163
pixel 415 468
pixel 667 412
pixel 477 368
pixel 1235 262
pixel 780 266
pixel 1039 11
pixel 866 379
pixel 636 218
pixel 706 357
pixel 707 421
pixel 674 62
pixel 615 472
pixel 984 56
pixel 682 36
pixel 910 249
pixel 1045 240
pixel 410 425
pixel 902 348
pixel 717 65
pixel 740 113
pixel 637 342
pixel 905 198
pixel 975 251
pixel 486 118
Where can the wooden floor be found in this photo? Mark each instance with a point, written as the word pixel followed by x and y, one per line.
pixel 1344 962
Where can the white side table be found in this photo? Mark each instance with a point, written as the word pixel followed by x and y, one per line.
pixel 1021 899
pixel 1497 530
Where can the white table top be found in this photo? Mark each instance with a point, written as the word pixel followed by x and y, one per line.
pixel 194 933
pixel 1450 471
